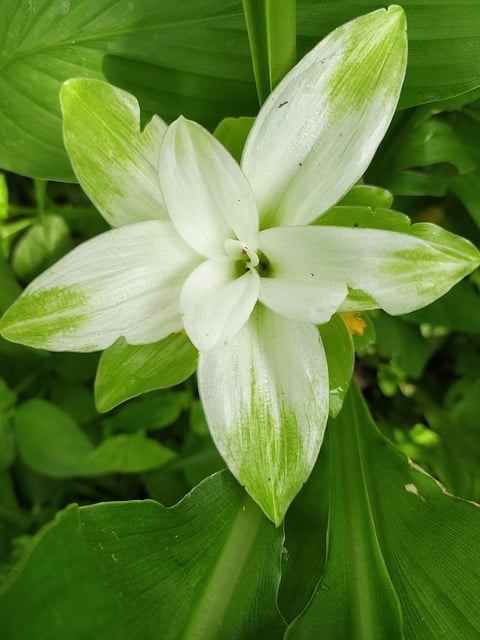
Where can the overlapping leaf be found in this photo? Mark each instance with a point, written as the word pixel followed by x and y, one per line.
pixel 206 568
pixel 191 58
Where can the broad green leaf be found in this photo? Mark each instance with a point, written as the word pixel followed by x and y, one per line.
pixel 41 245
pixel 272 36
pixel 338 346
pixel 207 568
pixel 190 57
pixel 129 453
pixel 50 442
pixel 304 554
pixel 126 371
pixel 444 42
pixel 389 524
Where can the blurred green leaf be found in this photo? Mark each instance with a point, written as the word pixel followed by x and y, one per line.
pixel 365 217
pixel 457 310
pixel 206 568
pixel 3 197
pixel 389 525
pixel 402 343
pixel 40 246
pixel 338 345
pixel 152 412
pixel 129 453
pixel 126 371
pixel 271 28
pixel 10 289
pixel 50 441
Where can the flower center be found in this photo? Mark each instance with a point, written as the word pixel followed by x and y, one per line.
pixel 239 252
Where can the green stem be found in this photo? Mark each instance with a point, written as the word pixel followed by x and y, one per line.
pixel 271 27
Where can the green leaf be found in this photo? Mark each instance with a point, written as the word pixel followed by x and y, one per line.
pixel 232 133
pixel 389 524
pixel 206 568
pixel 3 197
pixel 51 442
pixel 458 310
pixel 42 244
pixel 189 57
pixel 365 217
pixel 338 346
pixel 10 289
pixel 130 453
pixel 272 36
pixel 435 71
pixel 126 371
pixel 365 195
pixel 402 343
pixel 152 412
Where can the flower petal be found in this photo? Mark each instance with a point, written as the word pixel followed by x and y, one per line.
pixel 208 198
pixel 265 395
pixel 125 282
pixel 114 161
pixel 319 129
pixel 313 269
pixel 216 302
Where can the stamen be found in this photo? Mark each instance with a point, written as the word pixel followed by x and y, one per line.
pixel 238 251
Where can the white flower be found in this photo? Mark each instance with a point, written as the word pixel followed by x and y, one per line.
pixel 229 254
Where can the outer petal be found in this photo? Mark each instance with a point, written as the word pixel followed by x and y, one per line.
pixel 114 161
pixel 319 129
pixel 125 282
pixel 208 198
pixel 216 302
pixel 265 395
pixel 312 269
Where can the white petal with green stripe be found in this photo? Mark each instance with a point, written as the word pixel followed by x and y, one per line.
pixel 125 282
pixel 312 270
pixel 114 161
pixel 319 129
pixel 265 396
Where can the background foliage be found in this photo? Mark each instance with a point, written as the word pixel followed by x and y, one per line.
pixel 400 557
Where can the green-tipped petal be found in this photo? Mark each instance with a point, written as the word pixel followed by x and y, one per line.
pixel 319 129
pixel 216 302
pixel 125 282
pixel 114 161
pixel 208 198
pixel 265 395
pixel 313 269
